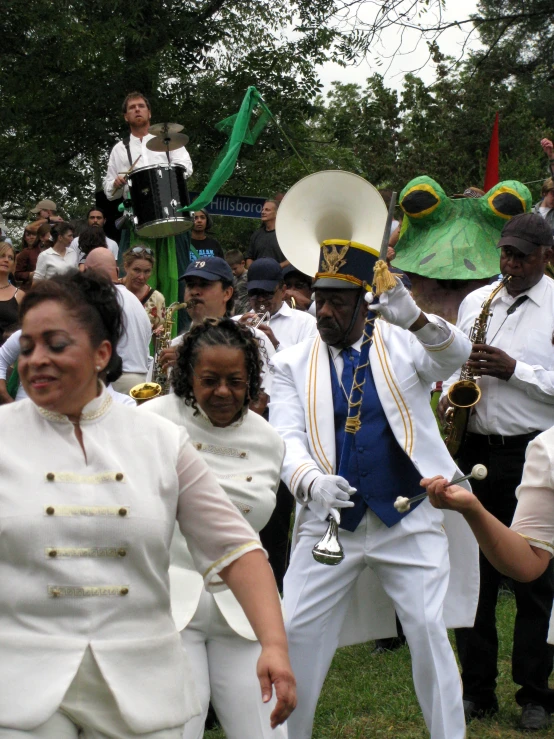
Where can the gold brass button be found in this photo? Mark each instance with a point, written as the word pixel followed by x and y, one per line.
pixel 249 479
pixel 124 591
pixel 50 476
pixel 50 511
pixel 122 552
pixel 198 446
pixel 122 511
pixel 55 593
pixel 119 476
pixel 242 455
pixel 52 553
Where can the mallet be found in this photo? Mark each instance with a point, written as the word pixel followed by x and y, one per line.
pixel 402 505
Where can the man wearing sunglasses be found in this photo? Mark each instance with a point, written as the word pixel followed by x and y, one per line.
pixel 266 292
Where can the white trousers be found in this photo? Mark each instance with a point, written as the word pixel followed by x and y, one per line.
pixel 411 561
pixel 88 711
pixel 224 668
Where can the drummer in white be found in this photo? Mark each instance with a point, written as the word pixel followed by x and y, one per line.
pixel 137 113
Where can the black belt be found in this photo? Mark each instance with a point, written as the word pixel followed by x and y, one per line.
pixel 505 441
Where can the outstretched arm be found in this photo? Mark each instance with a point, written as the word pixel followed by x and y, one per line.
pixel 506 550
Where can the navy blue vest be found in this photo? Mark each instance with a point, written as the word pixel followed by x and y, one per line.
pixel 379 468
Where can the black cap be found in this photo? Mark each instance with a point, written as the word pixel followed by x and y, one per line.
pixel 526 232
pixel 211 268
pixel 264 274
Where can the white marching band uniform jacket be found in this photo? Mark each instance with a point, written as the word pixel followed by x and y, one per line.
pixel 84 558
pixel 246 458
pixel 301 408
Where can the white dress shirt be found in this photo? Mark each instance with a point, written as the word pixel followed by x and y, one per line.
pixel 50 263
pixel 134 345
pixel 292 326
pixel 119 161
pixel 110 243
pixel 525 402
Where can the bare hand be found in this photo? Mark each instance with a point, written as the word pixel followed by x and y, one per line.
pixel 492 362
pixel 274 669
pixel 247 319
pixel 159 330
pixel 453 498
pixel 391 254
pixel 548 147
pixel 259 406
pixel 119 181
pixel 301 300
pixel 168 357
pixel 441 408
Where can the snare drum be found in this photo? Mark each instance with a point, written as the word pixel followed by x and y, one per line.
pixel 157 193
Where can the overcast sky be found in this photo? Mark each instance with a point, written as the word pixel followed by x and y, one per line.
pixel 412 54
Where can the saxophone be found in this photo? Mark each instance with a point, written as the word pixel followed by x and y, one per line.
pixel 465 393
pixel 160 381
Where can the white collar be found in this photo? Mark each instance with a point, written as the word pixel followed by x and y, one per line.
pixel 536 293
pixel 284 310
pixel 357 345
pixel 204 418
pixel 93 410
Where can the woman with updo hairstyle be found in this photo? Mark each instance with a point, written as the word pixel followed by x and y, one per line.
pixel 216 376
pixel 138 263
pixel 59 257
pixel 87 644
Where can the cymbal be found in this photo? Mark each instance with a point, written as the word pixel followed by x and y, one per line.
pixel 168 143
pixel 158 129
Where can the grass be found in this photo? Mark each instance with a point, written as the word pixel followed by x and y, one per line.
pixel 371 696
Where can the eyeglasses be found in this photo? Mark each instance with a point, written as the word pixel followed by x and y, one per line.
pixel 142 250
pixel 213 383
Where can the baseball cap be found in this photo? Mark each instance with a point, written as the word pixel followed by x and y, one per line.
pixel 264 274
pixel 211 268
pixel 44 205
pixel 526 232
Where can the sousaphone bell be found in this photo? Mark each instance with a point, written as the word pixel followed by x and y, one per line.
pixel 326 206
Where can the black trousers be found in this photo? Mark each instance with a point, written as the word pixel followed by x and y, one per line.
pixel 275 534
pixel 532 657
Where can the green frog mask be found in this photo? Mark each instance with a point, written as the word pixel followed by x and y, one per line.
pixel 446 239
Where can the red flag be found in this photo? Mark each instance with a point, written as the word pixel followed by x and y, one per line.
pixel 491 175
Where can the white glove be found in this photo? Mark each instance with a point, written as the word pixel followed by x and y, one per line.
pixel 397 306
pixel 332 491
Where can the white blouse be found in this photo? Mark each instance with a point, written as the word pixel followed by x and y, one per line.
pixel 246 458
pixel 50 263
pixel 534 515
pixel 84 557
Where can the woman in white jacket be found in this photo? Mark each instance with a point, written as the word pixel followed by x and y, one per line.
pixel 90 491
pixel 216 376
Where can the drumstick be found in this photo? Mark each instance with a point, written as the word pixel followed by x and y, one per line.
pixel 478 472
pixel 133 165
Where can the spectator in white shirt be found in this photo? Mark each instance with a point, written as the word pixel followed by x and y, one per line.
pixel 58 258
pixel 516 377
pixel 133 346
pixel 137 113
pixel 95 219
pixel 266 290
pixel 545 207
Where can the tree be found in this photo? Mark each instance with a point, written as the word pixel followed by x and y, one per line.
pixel 65 71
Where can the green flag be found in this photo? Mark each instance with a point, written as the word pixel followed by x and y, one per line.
pixel 241 130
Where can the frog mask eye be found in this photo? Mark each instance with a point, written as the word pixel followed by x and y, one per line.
pixel 507 199
pixel 421 198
